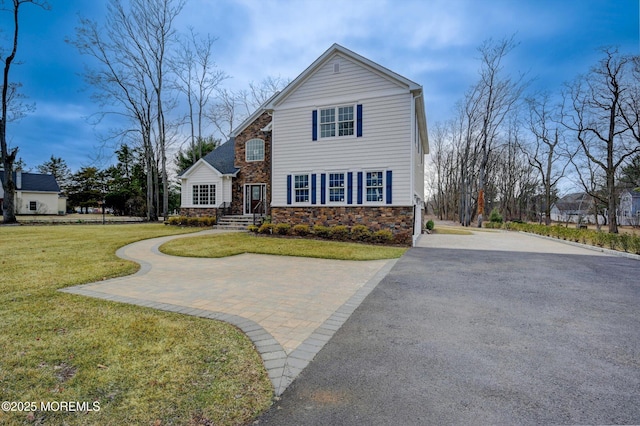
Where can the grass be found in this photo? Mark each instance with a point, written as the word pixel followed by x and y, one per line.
pixel 451 231
pixel 142 366
pixel 231 244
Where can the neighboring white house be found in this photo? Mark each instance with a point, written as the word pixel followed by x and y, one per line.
pixel 36 194
pixel 577 207
pixel 629 209
pixel 343 143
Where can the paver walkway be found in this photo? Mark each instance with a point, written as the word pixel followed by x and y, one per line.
pixel 289 306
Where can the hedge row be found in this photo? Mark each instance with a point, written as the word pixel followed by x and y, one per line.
pixel 621 242
pixel 358 233
pixel 192 221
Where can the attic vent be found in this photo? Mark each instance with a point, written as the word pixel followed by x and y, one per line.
pixel 336 68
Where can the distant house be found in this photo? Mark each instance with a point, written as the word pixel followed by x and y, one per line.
pixel 629 209
pixel 342 144
pixel 575 208
pixel 35 194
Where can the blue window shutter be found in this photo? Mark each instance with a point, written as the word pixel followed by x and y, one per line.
pixel 389 186
pixel 359 121
pixel 350 188
pixel 314 125
pixel 313 188
pixel 288 189
pixel 323 188
pixel 359 187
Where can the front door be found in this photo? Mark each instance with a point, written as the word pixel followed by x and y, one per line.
pixel 254 199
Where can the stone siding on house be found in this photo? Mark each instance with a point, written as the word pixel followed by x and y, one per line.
pixel 257 172
pixel 199 212
pixel 399 220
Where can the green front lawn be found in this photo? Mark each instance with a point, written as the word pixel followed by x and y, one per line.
pixel 222 245
pixel 140 365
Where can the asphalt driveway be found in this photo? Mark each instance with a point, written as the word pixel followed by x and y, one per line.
pixel 488 329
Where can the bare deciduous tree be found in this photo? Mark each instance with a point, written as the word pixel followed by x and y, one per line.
pixel 497 96
pixel 549 153
pixel 197 78
pixel 596 115
pixel 235 106
pixel 11 110
pixel 132 49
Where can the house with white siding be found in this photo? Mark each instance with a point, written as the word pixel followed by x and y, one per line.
pixel 342 144
pixel 35 194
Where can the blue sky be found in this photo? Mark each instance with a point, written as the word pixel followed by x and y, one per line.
pixel 432 42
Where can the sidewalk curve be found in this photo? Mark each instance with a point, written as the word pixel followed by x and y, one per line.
pixel 288 306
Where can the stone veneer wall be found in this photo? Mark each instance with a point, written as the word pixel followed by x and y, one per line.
pixel 252 171
pixel 397 219
pixel 199 212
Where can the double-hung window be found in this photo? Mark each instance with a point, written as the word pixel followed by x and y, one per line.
pixel 336 187
pixel 204 195
pixel 301 188
pixel 254 150
pixel 337 121
pixel 374 186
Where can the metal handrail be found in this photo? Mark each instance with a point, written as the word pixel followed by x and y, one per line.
pixel 255 210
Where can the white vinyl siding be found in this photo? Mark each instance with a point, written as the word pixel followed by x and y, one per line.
pixel 385 145
pixel 352 79
pixel 203 174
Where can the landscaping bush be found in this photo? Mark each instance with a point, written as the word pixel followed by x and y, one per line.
pixel 301 230
pixel 382 236
pixel 339 232
pixel 429 225
pixel 599 239
pixel 634 245
pixel 266 228
pixel 495 216
pixel 360 233
pixel 613 240
pixel 282 228
pixel 206 221
pixel 625 242
pixel 253 228
pixel 402 238
pixel 174 220
pixel 322 231
pixel 193 221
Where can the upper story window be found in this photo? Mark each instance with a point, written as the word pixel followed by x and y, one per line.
pixel 337 121
pixel 254 150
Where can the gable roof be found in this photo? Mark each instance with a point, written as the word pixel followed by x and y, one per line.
pixel 36 182
pixel 575 202
pixel 222 159
pixel 326 56
pixel 378 69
